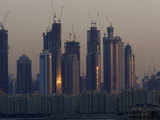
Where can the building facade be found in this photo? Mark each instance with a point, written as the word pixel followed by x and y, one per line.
pixel 3 59
pixel 45 73
pixel 52 42
pixel 24 75
pixel 129 68
pixel 113 62
pixel 71 68
pixel 93 59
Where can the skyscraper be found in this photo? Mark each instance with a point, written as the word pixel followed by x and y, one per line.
pixel 129 68
pixel 73 47
pixel 45 73
pixel 3 59
pixel 71 68
pixel 24 75
pixel 52 42
pixel 93 59
pixel 113 58
pixel 12 81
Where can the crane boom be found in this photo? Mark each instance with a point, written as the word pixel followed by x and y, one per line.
pixel 6 17
pixel 1 26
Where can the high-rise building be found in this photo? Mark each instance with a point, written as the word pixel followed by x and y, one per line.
pixel 45 73
pixel 71 68
pixel 93 59
pixel 52 42
pixel 73 47
pixel 129 68
pixel 12 82
pixel 3 59
pixel 24 75
pixel 113 62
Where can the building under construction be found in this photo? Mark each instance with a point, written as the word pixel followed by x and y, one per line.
pixel 129 68
pixel 52 43
pixel 71 68
pixel 3 59
pixel 93 58
pixel 113 62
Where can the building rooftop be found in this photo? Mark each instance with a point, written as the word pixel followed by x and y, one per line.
pixel 24 58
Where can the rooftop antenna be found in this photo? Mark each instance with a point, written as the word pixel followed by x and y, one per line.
pixel 73 32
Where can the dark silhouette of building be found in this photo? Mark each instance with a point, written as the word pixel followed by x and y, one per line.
pixel 12 82
pixel 113 58
pixel 52 43
pixel 73 47
pixel 24 75
pixel 82 84
pixel 71 68
pixel 129 68
pixel 45 73
pixel 3 59
pixel 36 84
pixel 93 58
pixel 152 82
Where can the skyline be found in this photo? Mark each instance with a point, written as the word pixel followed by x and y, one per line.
pixel 139 33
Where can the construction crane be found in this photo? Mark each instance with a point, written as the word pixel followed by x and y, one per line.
pixel 6 17
pixel 54 11
pixel 4 21
pixel 73 32
pixel 108 20
pixel 52 7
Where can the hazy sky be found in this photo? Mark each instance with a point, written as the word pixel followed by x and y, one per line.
pixel 136 21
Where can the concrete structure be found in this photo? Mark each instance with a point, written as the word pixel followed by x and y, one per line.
pixel 93 59
pixel 3 59
pixel 24 75
pixel 129 68
pixel 12 82
pixel 71 68
pixel 52 43
pixel 113 62
pixel 45 73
